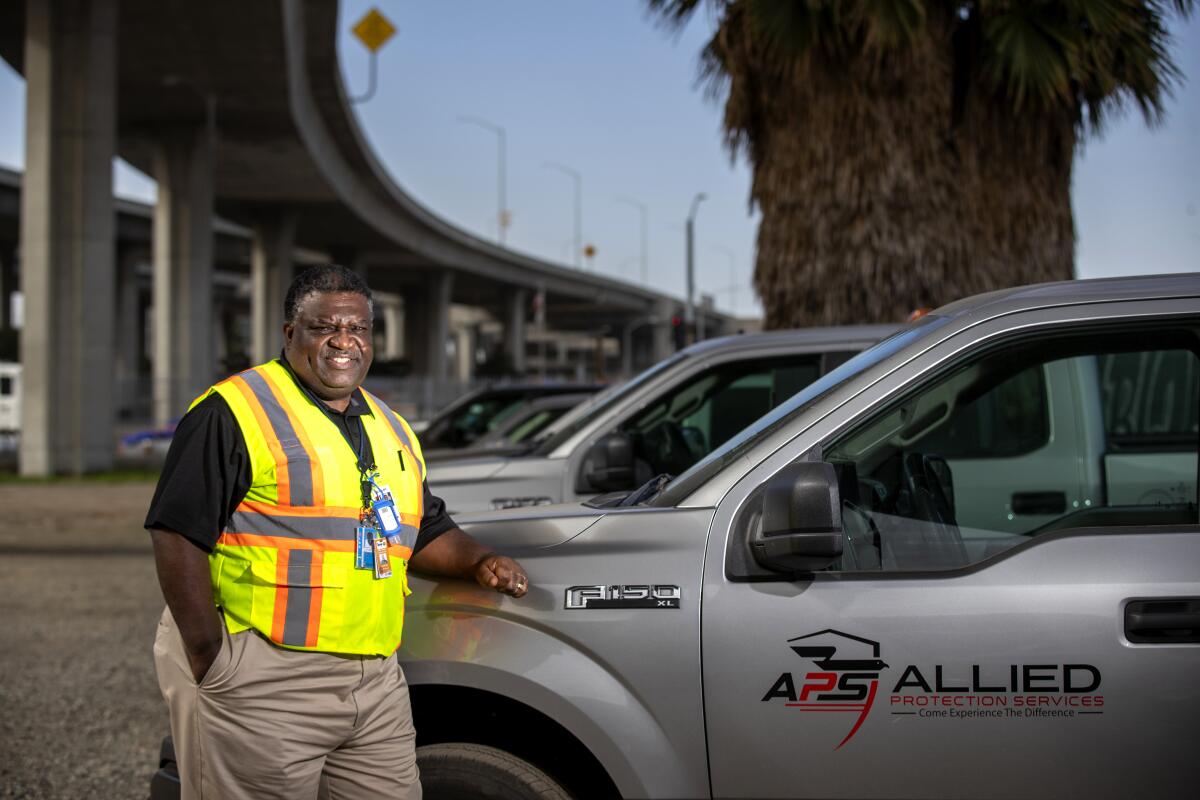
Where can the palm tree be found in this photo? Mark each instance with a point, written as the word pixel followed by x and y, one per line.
pixel 909 152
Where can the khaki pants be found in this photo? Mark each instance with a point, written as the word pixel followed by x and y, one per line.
pixel 269 722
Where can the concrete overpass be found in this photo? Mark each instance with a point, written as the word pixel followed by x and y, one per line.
pixel 238 109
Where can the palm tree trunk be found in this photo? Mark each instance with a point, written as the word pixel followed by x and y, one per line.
pixel 875 202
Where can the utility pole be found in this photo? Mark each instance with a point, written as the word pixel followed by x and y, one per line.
pixel 578 179
pixel 645 258
pixel 502 215
pixel 689 317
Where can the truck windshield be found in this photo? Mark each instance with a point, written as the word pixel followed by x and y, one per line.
pixel 582 416
pixel 686 483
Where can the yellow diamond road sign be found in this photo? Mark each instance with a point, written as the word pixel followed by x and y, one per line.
pixel 373 30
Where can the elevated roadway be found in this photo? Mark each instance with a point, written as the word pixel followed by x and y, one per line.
pixel 239 109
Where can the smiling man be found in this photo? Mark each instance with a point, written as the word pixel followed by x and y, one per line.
pixel 290 508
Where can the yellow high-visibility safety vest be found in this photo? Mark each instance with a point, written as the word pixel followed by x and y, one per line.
pixel 284 565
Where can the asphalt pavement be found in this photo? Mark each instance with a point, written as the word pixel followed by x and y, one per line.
pixel 80 712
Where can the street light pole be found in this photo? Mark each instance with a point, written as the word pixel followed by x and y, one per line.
pixel 689 316
pixel 645 259
pixel 501 172
pixel 575 176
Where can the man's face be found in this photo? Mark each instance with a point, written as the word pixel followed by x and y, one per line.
pixel 329 344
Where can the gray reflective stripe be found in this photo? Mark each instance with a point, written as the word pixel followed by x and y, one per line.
pixel 299 597
pixel 299 468
pixel 408 536
pixel 401 434
pixel 292 527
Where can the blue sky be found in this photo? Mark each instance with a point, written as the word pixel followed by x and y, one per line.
pixel 598 86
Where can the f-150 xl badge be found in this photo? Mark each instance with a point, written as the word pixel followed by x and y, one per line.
pixel 631 596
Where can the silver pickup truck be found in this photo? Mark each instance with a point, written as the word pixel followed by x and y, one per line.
pixel 963 564
pixel 662 421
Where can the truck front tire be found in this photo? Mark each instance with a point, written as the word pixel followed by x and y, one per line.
pixel 460 771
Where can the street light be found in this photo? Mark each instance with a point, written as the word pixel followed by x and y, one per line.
pixel 645 224
pixel 689 317
pixel 501 171
pixel 578 205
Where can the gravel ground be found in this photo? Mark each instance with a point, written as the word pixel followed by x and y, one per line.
pixel 80 712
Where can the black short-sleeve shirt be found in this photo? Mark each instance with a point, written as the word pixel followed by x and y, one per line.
pixel 207 472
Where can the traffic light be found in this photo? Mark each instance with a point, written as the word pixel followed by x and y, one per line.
pixel 678 332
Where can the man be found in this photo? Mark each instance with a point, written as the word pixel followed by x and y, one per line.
pixel 288 511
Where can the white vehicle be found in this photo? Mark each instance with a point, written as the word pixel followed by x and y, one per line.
pixel 10 398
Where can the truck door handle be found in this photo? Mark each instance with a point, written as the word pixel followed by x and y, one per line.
pixel 1039 502
pixel 1166 620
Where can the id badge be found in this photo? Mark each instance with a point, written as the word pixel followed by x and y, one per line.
pixel 383 564
pixel 385 511
pixel 364 547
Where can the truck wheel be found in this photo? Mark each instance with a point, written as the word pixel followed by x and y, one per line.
pixel 463 771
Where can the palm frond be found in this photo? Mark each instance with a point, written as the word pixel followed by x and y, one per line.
pixel 1026 54
pixel 673 13
pixel 889 24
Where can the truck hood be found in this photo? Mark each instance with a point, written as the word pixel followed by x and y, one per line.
pixel 533 528
pixel 463 470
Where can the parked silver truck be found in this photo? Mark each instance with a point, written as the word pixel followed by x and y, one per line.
pixel 666 419
pixel 963 564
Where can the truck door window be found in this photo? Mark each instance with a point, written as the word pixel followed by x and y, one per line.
pixel 686 424
pixel 1026 440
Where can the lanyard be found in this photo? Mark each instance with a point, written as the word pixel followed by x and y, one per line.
pixel 366 472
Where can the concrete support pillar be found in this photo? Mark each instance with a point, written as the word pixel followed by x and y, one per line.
pixel 67 236
pixel 388 310
pixel 184 364
pixel 427 325
pixel 663 346
pixel 465 340
pixel 416 331
pixel 128 351
pixel 627 348
pixel 514 328
pixel 270 276
pixel 440 286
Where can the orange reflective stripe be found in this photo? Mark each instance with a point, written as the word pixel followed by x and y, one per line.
pixel 329 512
pixel 319 546
pixel 282 481
pixel 282 510
pixel 279 617
pixel 318 475
pixel 286 543
pixel 314 603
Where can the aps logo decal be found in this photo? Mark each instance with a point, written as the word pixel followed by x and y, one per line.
pixel 841 675
pixel 846 678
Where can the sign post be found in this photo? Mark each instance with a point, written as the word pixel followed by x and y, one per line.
pixel 374 30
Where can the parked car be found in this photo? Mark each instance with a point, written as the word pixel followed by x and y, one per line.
pixel 479 412
pixel 511 433
pixel 667 418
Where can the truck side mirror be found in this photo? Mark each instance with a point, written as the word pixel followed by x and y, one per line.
pixel 608 465
pixel 801 519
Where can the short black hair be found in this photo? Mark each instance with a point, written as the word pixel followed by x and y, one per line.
pixel 324 278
